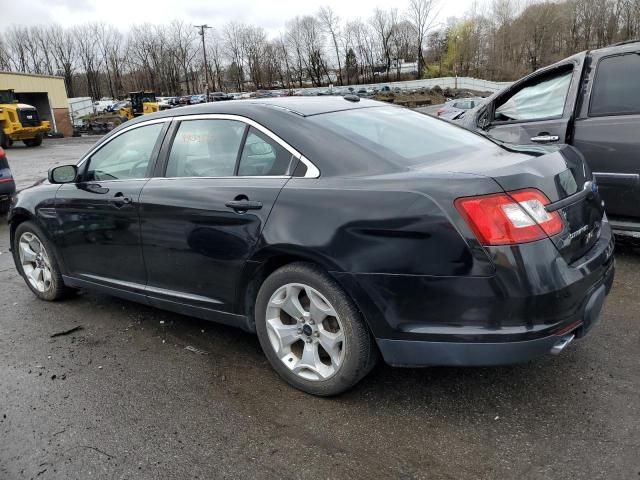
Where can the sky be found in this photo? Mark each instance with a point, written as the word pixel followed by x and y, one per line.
pixel 271 15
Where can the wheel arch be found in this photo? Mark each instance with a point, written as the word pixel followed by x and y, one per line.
pixel 20 215
pixel 262 264
pixel 266 261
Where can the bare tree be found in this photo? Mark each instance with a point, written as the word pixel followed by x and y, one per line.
pixel 331 23
pixel 384 23
pixel 421 15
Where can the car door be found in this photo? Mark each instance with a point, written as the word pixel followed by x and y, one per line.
pixel 537 109
pixel 607 130
pixel 203 217
pixel 98 225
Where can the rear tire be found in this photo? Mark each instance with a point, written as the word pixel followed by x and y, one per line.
pixel 34 142
pixel 36 260
pixel 4 207
pixel 323 347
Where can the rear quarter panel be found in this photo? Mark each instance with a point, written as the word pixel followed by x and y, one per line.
pixel 388 225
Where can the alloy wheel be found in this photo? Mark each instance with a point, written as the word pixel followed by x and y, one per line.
pixel 35 262
pixel 305 332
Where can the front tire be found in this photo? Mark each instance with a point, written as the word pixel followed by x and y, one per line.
pixel 5 141
pixel 311 332
pixel 37 263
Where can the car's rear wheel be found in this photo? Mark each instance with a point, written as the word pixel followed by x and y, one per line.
pixel 37 263
pixel 311 332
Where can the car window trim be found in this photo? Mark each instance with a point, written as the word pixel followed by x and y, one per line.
pixel 84 163
pixel 312 170
pixel 243 142
pixel 595 81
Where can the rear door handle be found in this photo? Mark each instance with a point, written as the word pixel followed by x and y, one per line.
pixel 545 138
pixel 119 199
pixel 244 205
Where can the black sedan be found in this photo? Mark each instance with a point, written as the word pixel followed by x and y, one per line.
pixel 337 229
pixel 7 184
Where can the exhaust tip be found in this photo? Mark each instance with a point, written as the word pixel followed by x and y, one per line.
pixel 562 343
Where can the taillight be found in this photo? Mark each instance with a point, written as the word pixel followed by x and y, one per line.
pixel 510 218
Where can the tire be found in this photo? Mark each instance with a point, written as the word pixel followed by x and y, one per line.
pixel 33 142
pixel 54 288
pixel 4 207
pixel 4 140
pixel 292 344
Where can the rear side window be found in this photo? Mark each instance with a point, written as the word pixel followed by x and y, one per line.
pixel 616 90
pixel 262 156
pixel 544 99
pixel 205 148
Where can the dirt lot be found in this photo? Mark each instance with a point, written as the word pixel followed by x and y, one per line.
pixel 123 398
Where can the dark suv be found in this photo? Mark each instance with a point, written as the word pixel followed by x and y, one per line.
pixel 591 101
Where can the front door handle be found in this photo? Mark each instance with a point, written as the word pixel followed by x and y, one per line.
pixel 545 138
pixel 119 199
pixel 244 205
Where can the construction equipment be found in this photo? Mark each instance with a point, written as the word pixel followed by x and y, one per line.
pixel 19 121
pixel 140 103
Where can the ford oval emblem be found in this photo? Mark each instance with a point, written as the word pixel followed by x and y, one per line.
pixel 594 186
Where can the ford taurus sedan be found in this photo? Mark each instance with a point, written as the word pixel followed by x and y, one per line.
pixel 338 229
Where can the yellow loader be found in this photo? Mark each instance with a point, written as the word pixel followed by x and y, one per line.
pixel 140 103
pixel 19 121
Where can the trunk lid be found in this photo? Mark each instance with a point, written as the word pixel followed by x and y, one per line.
pixel 559 172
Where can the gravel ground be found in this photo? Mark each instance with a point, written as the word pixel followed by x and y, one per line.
pixel 123 398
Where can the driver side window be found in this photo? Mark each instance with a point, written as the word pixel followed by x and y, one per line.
pixel 125 157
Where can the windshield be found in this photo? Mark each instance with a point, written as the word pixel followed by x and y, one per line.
pixel 399 133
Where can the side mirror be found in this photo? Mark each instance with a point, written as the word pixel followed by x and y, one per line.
pixel 63 174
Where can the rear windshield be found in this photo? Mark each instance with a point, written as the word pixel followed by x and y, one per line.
pixel 403 134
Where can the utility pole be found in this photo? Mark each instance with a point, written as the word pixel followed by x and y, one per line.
pixel 201 31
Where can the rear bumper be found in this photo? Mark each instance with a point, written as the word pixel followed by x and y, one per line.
pixel 530 308
pixel 409 353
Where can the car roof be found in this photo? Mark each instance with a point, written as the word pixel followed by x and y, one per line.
pixel 300 106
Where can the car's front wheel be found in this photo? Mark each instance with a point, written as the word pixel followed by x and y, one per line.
pixel 37 263
pixel 311 332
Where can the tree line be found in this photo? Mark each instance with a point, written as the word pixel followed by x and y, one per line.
pixel 497 40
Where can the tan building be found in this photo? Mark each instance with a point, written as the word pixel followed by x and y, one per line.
pixel 46 93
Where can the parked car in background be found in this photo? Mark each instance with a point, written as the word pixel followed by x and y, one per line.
pixel 7 183
pixel 119 105
pixel 590 100
pixel 166 103
pixel 452 109
pixel 185 100
pixel 219 97
pixel 195 99
pixel 103 105
pixel 364 92
pixel 382 232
